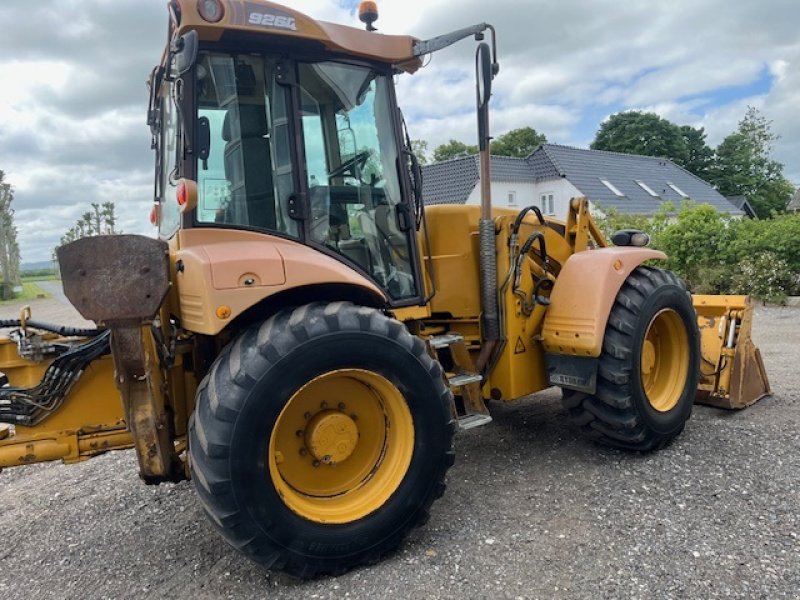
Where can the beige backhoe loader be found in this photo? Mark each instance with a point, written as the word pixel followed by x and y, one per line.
pixel 304 336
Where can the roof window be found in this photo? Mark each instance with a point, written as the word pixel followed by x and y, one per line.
pixel 678 190
pixel 611 187
pixel 647 188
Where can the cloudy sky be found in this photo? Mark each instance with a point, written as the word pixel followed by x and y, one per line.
pixel 72 93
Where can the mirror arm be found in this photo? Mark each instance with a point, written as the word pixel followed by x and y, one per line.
pixel 422 47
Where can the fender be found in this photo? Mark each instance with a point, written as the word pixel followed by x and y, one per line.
pixel 583 295
pixel 220 273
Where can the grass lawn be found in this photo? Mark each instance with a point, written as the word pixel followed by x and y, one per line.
pixel 30 291
pixel 52 277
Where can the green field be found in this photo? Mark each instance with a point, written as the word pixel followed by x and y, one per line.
pixel 51 277
pixel 30 291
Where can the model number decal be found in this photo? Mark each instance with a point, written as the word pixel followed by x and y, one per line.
pixel 271 20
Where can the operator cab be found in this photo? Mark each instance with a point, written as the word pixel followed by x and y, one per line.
pixel 302 149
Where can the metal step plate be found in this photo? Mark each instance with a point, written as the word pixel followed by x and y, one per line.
pixel 472 421
pixel 443 341
pixel 457 381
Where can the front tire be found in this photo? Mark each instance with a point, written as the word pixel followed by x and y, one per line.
pixel 320 438
pixel 648 367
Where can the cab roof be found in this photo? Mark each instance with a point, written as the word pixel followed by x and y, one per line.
pixel 265 18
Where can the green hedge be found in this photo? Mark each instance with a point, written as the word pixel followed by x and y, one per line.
pixel 717 254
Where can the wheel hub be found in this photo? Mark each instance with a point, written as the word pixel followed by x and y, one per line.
pixel 331 437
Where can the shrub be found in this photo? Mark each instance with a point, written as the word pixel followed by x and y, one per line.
pixel 766 276
pixel 717 254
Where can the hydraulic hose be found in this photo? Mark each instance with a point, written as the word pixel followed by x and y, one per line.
pixel 59 329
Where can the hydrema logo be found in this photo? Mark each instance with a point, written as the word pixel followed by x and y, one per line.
pixel 272 20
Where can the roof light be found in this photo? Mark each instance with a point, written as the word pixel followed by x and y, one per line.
pixel 368 13
pixel 211 10
pixel 154 215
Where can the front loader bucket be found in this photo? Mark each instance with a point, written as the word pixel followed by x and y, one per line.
pixel 732 374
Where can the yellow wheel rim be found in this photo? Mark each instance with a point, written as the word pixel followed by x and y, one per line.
pixel 665 360
pixel 341 446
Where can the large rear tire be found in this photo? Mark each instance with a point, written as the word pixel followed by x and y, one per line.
pixel 321 438
pixel 648 368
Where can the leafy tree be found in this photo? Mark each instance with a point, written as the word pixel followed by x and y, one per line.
pixel 9 248
pixel 518 142
pixel 420 149
pixel 743 166
pixel 700 156
pixel 637 132
pixel 453 149
pixel 100 222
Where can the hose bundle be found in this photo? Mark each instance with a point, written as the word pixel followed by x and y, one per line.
pixel 30 406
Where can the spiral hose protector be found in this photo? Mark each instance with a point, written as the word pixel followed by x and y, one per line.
pixel 488 266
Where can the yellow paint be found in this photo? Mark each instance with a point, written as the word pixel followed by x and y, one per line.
pixel 341 446
pixel 665 360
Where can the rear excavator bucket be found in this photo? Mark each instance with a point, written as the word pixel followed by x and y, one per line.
pixel 732 374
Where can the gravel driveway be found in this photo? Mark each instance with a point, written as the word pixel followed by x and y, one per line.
pixel 531 511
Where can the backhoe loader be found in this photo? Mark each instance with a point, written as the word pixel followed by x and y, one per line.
pixel 304 337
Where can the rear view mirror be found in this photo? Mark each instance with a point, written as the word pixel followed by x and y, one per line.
pixel 485 74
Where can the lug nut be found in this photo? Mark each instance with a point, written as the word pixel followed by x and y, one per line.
pixel 307 415
pixel 315 463
pixel 303 451
pixel 342 406
pixel 323 405
pixel 299 433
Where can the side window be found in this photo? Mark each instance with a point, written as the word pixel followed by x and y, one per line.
pixel 249 174
pixel 170 212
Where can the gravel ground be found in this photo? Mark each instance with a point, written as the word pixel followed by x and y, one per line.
pixel 531 511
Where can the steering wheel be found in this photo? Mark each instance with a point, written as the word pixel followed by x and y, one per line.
pixel 359 160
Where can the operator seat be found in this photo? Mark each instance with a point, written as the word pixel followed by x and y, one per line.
pixel 248 167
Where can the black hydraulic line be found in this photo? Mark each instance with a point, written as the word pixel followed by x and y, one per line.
pixel 522 214
pixel 29 406
pixel 59 329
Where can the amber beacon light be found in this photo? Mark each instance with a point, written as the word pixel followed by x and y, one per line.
pixel 368 13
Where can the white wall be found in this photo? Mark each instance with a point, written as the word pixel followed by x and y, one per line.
pixel 524 194
pixel 528 194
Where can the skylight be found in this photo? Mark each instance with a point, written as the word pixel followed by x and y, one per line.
pixel 611 187
pixel 647 188
pixel 678 190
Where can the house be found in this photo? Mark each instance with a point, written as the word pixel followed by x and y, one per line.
pixel 553 174
pixel 794 203
pixel 743 204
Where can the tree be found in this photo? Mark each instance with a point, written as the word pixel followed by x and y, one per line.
pixel 637 132
pixel 743 166
pixel 453 149
pixel 9 248
pixel 700 156
pixel 420 149
pixel 518 142
pixel 109 218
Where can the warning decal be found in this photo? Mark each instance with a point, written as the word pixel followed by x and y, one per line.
pixel 520 347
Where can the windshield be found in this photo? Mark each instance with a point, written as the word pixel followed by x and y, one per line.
pixel 354 204
pixel 352 167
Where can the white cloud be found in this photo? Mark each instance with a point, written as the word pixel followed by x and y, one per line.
pixel 72 97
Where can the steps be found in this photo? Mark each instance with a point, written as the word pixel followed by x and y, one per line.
pixel 464 381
